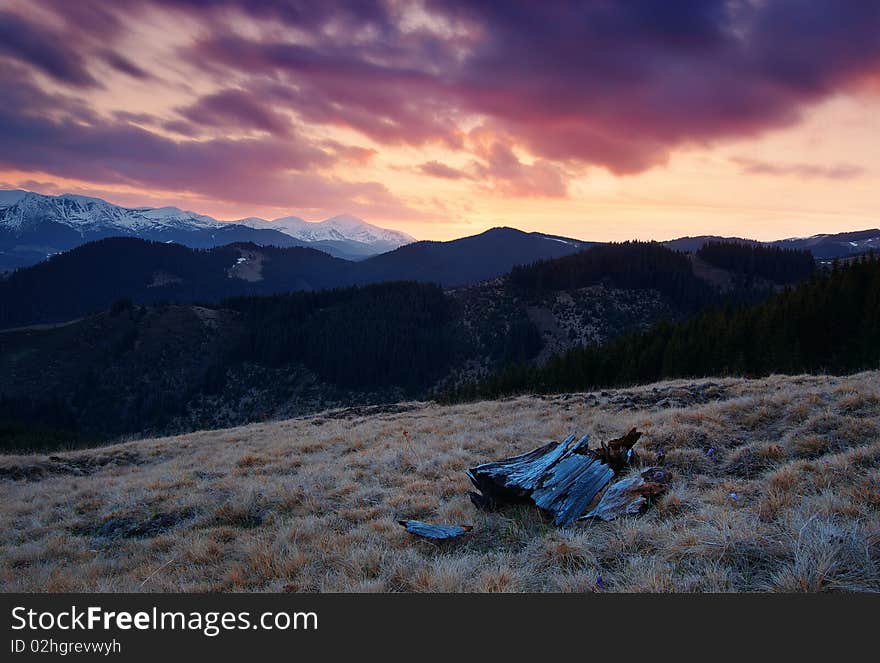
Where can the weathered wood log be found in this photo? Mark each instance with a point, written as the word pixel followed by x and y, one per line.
pixel 570 486
pixel 434 532
pixel 512 480
pixel 560 478
pixel 631 496
pixel 619 453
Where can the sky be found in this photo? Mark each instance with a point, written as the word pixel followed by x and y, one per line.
pixel 600 120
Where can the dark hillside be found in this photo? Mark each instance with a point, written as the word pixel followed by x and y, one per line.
pixel 630 265
pixel 749 262
pixel 828 324
pixel 91 277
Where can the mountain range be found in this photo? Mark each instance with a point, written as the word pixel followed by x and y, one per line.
pixel 76 255
pixel 94 275
pixel 823 246
pixel 34 226
pixel 343 236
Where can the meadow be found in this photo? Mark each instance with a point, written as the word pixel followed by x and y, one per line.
pixel 776 487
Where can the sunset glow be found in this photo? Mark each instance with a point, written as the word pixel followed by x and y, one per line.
pixel 602 121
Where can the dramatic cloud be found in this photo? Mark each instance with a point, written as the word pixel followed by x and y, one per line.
pixel 262 171
pixel 501 171
pixel 268 98
pixel 349 153
pixel 122 64
pixel 610 84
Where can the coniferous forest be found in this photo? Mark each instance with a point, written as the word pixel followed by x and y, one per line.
pixel 751 261
pixel 830 323
pixel 627 265
pixel 390 334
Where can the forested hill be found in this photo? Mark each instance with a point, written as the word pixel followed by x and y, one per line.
pixel 170 367
pixel 651 265
pixel 756 261
pixel 468 259
pixel 91 277
pixel 830 323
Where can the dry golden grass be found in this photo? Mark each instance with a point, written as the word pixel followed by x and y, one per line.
pixel 788 500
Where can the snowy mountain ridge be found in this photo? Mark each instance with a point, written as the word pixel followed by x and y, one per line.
pixel 20 209
pixel 34 226
pixel 338 228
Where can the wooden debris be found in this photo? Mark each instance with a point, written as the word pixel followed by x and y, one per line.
pixel 512 480
pixel 631 496
pixel 560 478
pixel 434 532
pixel 563 479
pixel 619 453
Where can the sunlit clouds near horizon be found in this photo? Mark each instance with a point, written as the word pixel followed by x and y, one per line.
pixel 598 120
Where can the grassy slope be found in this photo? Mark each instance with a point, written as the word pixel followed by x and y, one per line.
pixel 310 504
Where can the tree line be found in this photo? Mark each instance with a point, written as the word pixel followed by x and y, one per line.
pixel 773 263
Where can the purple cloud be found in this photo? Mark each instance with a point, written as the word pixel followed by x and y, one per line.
pixel 122 64
pixel 256 171
pixel 617 85
pixel 237 109
pixel 44 50
pixel 575 84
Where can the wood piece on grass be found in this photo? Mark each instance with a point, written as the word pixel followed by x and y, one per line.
pixel 512 480
pixel 434 532
pixel 560 478
pixel 570 486
pixel 631 496
pixel 619 453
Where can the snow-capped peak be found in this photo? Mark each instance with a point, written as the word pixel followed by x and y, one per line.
pixel 71 210
pixel 25 211
pixel 343 227
pixel 177 215
pixel 20 210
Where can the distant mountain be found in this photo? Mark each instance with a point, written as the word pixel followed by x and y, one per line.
pixel 344 236
pixel 469 259
pixel 823 247
pixel 93 276
pixel 840 245
pixel 34 226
